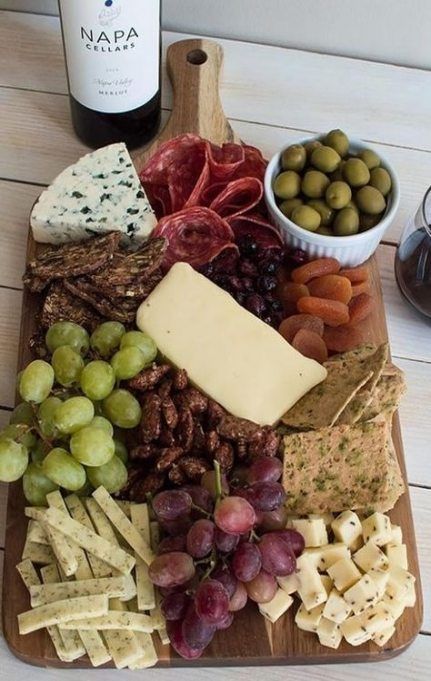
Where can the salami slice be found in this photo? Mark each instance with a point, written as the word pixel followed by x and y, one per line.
pixel 260 229
pixel 169 154
pixel 195 235
pixel 239 196
pixel 254 165
pixel 225 161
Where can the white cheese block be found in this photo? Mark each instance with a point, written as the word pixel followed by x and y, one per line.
pixel 362 595
pixel 313 531
pixel 396 534
pixel 308 620
pixel 344 573
pixel 336 609
pixel 397 555
pixel 354 631
pixel 311 589
pixel 383 636
pixel 325 556
pixel 400 582
pixel 378 618
pixel 232 356
pixel 377 528
pixel 277 606
pixel 329 633
pixel 100 193
pixel 347 527
pixel 370 556
pixel 289 584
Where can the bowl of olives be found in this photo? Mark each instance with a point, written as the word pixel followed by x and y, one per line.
pixel 332 196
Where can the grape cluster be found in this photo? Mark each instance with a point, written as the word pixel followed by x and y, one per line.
pixel 222 547
pixel 67 431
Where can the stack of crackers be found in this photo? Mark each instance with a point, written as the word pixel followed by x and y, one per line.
pixel 338 450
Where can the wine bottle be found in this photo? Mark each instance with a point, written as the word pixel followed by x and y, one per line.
pixel 112 52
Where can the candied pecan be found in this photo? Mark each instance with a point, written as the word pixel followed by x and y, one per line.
pixel 256 443
pixel 225 456
pixel 133 475
pixel 149 378
pixel 194 467
pixel 176 475
pixel 271 442
pixel 151 421
pixel 212 441
pixel 143 452
pixel 198 438
pixel 181 380
pixel 165 387
pixel 170 413
pixel 167 457
pixel 241 448
pixel 166 437
pixel 234 428
pixel 185 429
pixel 214 414
pixel 150 484
pixel 196 401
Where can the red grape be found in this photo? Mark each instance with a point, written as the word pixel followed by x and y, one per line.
pixel 211 602
pixel 226 622
pixel 246 562
pixel 169 544
pixel 266 496
pixel 200 497
pixel 174 606
pixel 234 515
pixel 262 588
pixel 224 575
pixel 208 481
pixel 178 526
pixel 277 556
pixel 265 469
pixel 272 520
pixel 171 569
pixel 172 504
pixel 196 633
pixel 200 538
pixel 225 542
pixel 239 599
pixel 294 539
pixel 178 643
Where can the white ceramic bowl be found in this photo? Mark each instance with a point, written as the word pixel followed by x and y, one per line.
pixel 349 250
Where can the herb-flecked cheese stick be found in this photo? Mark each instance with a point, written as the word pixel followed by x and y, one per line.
pixel 78 512
pixel 36 533
pixel 41 554
pixel 114 587
pixel 122 644
pixel 149 656
pixel 90 541
pixel 144 585
pixel 114 619
pixel 61 545
pixel 62 611
pixel 83 571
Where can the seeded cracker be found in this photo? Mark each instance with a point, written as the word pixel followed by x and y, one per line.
pixel 387 395
pixel 59 306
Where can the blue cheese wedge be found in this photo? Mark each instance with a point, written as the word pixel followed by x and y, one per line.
pixel 99 193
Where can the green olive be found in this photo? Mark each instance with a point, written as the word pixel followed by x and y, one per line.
pixel 338 195
pixel 346 223
pixel 314 184
pixel 294 157
pixel 370 158
pixel 370 200
pixel 338 140
pixel 306 217
pixel 356 173
pixel 352 205
pixel 337 175
pixel 326 213
pixel 326 231
pixel 289 205
pixel 311 146
pixel 325 159
pixel 381 180
pixel 366 221
pixel 287 185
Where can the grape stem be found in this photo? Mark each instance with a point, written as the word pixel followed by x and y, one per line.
pixel 38 430
pixel 210 568
pixel 201 510
pixel 218 488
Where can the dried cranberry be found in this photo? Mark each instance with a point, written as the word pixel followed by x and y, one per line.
pixel 222 280
pixel 240 297
pixel 268 266
pixel 235 283
pixel 207 270
pixel 266 283
pixel 296 257
pixel 255 304
pixel 247 284
pixel 247 245
pixel 268 319
pixel 247 268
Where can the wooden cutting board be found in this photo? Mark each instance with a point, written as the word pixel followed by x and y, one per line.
pixel 194 68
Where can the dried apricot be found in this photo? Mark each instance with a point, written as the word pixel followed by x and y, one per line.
pixel 289 327
pixel 355 274
pixel 360 287
pixel 360 307
pixel 291 292
pixel 311 345
pixel 331 312
pixel 315 268
pixel 331 286
pixel 343 338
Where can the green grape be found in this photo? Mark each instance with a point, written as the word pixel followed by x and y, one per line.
pixel 23 413
pixel 20 432
pixel 62 469
pixel 36 381
pixel 121 451
pixel 67 365
pixel 36 485
pixel 13 460
pixel 128 362
pixel 73 414
pixel 38 452
pixel 101 422
pixel 92 446
pixel 122 409
pixel 97 380
pixel 112 475
pixel 140 340
pixel 106 338
pixel 67 333
pixel 45 416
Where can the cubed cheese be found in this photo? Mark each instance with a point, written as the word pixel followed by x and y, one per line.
pixel 276 607
pixel 98 194
pixel 399 582
pixel 327 583
pixel 380 579
pixel 344 573
pixel 396 534
pixel 228 353
pixel 313 531
pixel 354 631
pixel 336 609
pixel 410 597
pixel 347 528
pixel 362 595
pixel 397 555
pixel 370 556
pixel 311 589
pixel 325 556
pixel 395 607
pixel 289 584
pixel 377 528
pixel 329 633
pixel 308 620
pixel 326 517
pixel 383 636
pixel 377 617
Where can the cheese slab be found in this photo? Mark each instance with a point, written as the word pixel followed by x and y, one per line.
pixel 232 356
pixel 100 193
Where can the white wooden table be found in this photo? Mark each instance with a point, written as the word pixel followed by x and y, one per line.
pixel 272 96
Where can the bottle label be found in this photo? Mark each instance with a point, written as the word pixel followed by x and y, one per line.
pixel 112 52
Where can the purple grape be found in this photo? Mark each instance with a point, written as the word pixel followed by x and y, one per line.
pixel 266 496
pixel 208 481
pixel 169 544
pixel 246 562
pixel 224 575
pixel 172 504
pixel 200 538
pixel 273 520
pixel 211 602
pixel 277 556
pixel 171 569
pixel 174 606
pixel 176 638
pixel 226 622
pixel 294 539
pixel 225 542
pixel 234 515
pixel 196 633
pixel 265 469
pixel 200 497
pixel 175 527
pixel 239 599
pixel 262 588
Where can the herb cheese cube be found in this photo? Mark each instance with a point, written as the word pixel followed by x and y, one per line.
pixel 396 534
pixel 329 633
pixel 380 579
pixel 347 528
pixel 397 555
pixel 311 589
pixel 336 608
pixel 410 597
pixel 377 528
pixel 370 556
pixel 327 583
pixel 308 620
pixel 289 584
pixel 399 582
pixel 344 573
pixel 362 595
pixel 354 631
pixel 377 617
pixel 326 517
pixel 396 607
pixel 383 636
pixel 313 531
pixel 277 606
